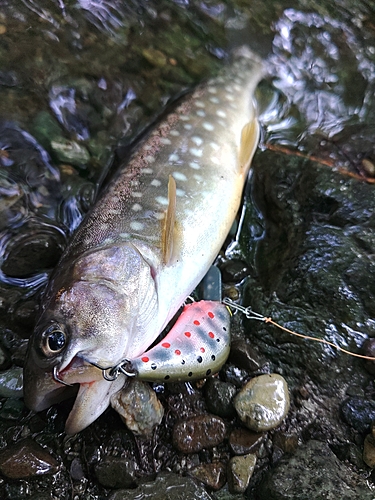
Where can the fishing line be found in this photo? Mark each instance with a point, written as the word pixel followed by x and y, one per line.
pixel 250 314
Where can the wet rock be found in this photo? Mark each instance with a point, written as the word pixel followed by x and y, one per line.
pixel 219 397
pixel 139 407
pixel 369 451
pixel 368 349
pixel 199 432
pixel 240 470
pixel 235 375
pixel 263 402
pixel 212 475
pixel 313 472
pixel 242 441
pixel 11 383
pixel 115 472
pixel 26 459
pixel 234 271
pixel 76 470
pixel 243 355
pixel 167 486
pixel 12 409
pixel 5 361
pixel 359 413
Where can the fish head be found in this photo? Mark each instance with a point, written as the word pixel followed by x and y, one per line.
pixel 99 312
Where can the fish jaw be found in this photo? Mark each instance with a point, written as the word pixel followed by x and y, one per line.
pixel 91 401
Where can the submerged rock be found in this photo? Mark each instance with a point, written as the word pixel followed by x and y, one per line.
pixel 263 403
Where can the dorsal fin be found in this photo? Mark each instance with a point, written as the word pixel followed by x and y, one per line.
pixel 249 142
pixel 169 220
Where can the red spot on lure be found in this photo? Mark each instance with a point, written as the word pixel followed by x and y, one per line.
pixel 201 352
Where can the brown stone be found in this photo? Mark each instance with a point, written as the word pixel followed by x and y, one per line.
pixel 212 475
pixel 197 433
pixel 25 459
pixel 242 441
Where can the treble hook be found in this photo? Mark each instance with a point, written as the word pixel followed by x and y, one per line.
pixel 111 373
pixel 55 375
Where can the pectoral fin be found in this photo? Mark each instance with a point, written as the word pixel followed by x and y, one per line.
pixel 249 142
pixel 197 345
pixel 169 222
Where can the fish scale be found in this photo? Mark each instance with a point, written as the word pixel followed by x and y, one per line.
pixel 141 250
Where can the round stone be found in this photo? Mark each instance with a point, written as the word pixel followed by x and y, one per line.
pixel 263 403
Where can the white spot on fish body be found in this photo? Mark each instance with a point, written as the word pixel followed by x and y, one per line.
pixel 200 112
pixel 229 97
pixel 136 225
pixel 212 90
pixel 159 215
pixel 229 89
pixel 180 192
pixel 179 176
pixel 194 165
pixel 221 113
pixel 222 123
pixel 155 183
pixel 200 104
pixel 197 140
pixel 165 141
pixel 136 194
pixel 175 133
pixel 187 126
pixel 196 152
pixel 208 126
pixel 214 100
pixel 185 118
pixel 137 207
pixel 146 170
pixel 198 177
pixel 215 160
pixel 150 159
pixel 124 236
pixel 162 200
pixel 214 146
pixel 173 158
pixel 147 147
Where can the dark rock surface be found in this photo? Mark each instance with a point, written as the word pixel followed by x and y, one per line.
pixel 313 472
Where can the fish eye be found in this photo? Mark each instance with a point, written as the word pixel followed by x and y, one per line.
pixel 54 340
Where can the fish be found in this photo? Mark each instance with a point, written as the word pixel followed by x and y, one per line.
pixel 144 246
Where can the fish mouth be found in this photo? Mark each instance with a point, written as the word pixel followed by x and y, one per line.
pixel 80 379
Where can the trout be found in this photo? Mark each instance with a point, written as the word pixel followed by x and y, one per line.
pixel 141 250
